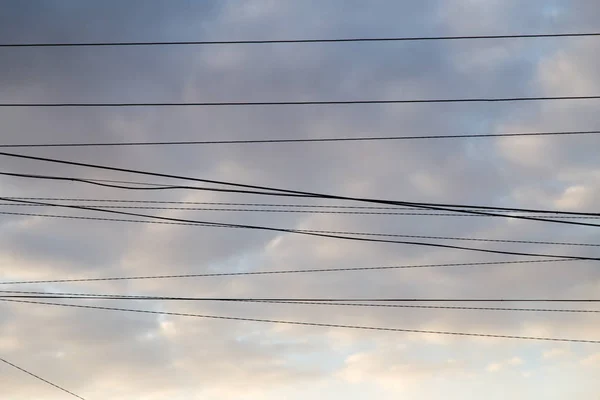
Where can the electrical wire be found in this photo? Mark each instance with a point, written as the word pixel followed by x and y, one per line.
pixel 40 378
pixel 270 191
pixel 289 41
pixel 398 208
pixel 295 231
pixel 311 230
pixel 95 296
pixel 280 272
pixel 107 183
pixel 288 141
pixel 335 206
pixel 305 211
pixel 316 324
pixel 306 102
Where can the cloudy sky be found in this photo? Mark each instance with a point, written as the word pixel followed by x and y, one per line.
pixel 124 356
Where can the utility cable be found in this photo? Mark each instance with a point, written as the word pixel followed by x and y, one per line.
pixel 280 272
pixel 40 378
pixel 290 41
pixel 554 243
pixel 362 239
pixel 286 192
pixel 305 102
pixel 316 324
pixel 400 211
pixel 94 296
pixel 289 141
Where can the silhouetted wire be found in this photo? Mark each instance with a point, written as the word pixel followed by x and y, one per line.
pixel 308 230
pixel 280 272
pixel 302 102
pixel 289 141
pixel 301 323
pixel 333 206
pixel 40 378
pixel 290 41
pixel 270 191
pixel 151 186
pixel 304 211
pixel 95 296
pixel 308 233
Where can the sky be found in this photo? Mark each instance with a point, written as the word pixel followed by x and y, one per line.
pixel 101 354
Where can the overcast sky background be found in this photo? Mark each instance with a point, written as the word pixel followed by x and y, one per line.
pixel 122 356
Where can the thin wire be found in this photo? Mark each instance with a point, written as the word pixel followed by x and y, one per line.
pixel 299 323
pixel 281 272
pixel 282 41
pixel 271 191
pixel 306 102
pixel 308 233
pixel 397 208
pixel 40 378
pixel 99 182
pixel 284 141
pixel 414 214
pixel 95 296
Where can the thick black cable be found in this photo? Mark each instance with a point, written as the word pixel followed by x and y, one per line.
pixel 95 296
pixel 40 378
pixel 304 102
pixel 308 233
pixel 280 272
pixel 311 230
pixel 317 324
pixel 333 206
pixel 285 192
pixel 150 186
pixel 304 211
pixel 284 141
pixel 289 41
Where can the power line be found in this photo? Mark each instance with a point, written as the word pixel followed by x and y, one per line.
pixel 334 303
pixel 301 323
pixel 308 233
pixel 151 186
pixel 95 296
pixel 289 41
pixel 288 141
pixel 305 211
pixel 318 206
pixel 271 191
pixel 307 102
pixel 310 230
pixel 293 211
pixel 280 272
pixel 40 378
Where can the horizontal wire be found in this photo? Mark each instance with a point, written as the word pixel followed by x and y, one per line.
pixel 308 230
pixel 306 102
pixel 474 210
pixel 316 324
pixel 94 296
pixel 308 233
pixel 397 208
pixel 282 211
pixel 281 272
pixel 308 140
pixel 317 302
pixel 289 41
pixel 272 191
